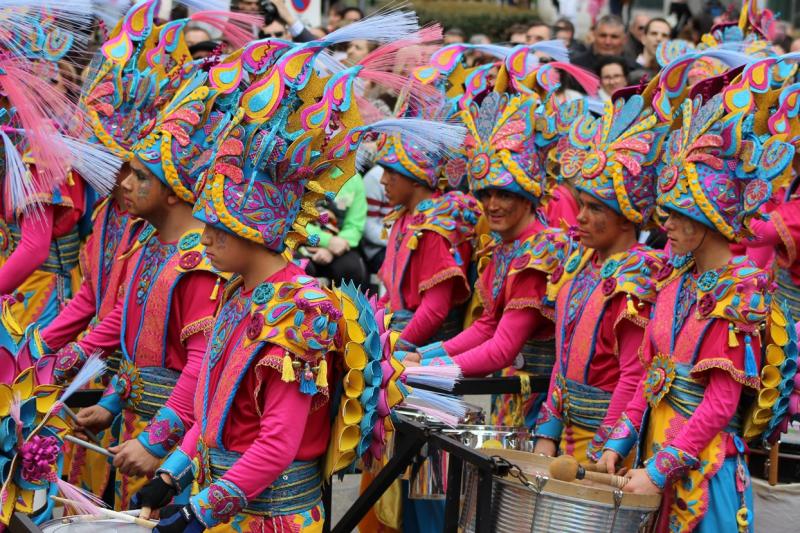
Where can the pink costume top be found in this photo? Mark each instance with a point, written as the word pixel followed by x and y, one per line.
pixel 512 288
pixel 280 430
pixel 699 352
pixel 161 326
pixel 39 253
pixel 425 270
pixel 601 313
pixel 562 208
pixel 103 262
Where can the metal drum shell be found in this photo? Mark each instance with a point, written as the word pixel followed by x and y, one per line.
pixel 432 478
pixel 548 505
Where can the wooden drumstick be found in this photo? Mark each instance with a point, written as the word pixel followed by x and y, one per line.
pixel 567 468
pixel 111 514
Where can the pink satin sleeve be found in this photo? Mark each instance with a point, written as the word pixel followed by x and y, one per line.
pixel 106 335
pixel 630 338
pixel 766 234
pixel 562 208
pixel 31 252
pixel 477 333
pixel 502 348
pixel 430 314
pixel 181 400
pixel 189 442
pixel 72 320
pixel 286 411
pixel 716 409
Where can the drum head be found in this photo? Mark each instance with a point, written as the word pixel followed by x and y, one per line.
pixel 91 524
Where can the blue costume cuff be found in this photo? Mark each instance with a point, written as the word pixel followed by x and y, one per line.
pixel 444 360
pixel 218 503
pixel 163 433
pixel 623 437
pixel 69 360
pixel 404 346
pixel 549 424
pixel 669 464
pixel 179 467
pixel 432 351
pixel 595 447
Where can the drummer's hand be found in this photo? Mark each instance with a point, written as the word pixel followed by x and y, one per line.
pixel 610 459
pixel 132 459
pixel 412 357
pixel 183 521
pixel 639 482
pixel 158 492
pixel 545 447
pixel 95 418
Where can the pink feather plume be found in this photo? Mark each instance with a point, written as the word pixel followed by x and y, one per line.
pixel 588 80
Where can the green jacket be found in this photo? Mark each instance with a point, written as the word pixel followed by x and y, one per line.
pixel 353 201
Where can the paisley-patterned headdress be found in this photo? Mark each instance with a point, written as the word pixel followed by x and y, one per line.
pixel 272 168
pixel 404 156
pixel 717 170
pixel 501 148
pixel 138 71
pixel 612 157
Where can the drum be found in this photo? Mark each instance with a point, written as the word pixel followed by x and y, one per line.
pixel 429 480
pixel 91 524
pixel 537 504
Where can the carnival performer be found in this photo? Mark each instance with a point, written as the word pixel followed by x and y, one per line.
pixel 162 322
pixel 429 246
pixel 604 291
pixel 507 177
pixel 701 343
pixel 42 200
pixel 268 358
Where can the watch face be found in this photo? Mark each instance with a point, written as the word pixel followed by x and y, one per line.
pixel 519 361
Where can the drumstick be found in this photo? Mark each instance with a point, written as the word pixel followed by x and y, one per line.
pixel 89 446
pixel 567 468
pixel 112 514
pixel 74 417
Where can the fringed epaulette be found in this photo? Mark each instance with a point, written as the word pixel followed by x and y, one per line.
pixel 453 216
pixel 302 318
pixel 632 273
pixel 543 251
pixel 739 294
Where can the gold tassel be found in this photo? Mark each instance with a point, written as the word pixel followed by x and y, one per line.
pixel 733 341
pixel 215 292
pixel 322 374
pixel 413 242
pixel 287 371
pixel 631 307
pixel 384 233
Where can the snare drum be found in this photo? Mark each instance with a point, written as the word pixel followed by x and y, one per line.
pixel 91 524
pixel 544 505
pixel 430 480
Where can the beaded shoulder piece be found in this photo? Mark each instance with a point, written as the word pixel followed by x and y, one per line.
pixel 631 272
pixel 739 294
pixel 299 316
pixel 453 215
pixel 544 251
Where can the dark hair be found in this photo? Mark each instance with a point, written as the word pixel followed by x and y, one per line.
pixel 456 31
pixel 347 10
pixel 602 61
pixel 516 28
pixel 536 22
pixel 657 19
pixel 566 25
pixel 609 20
